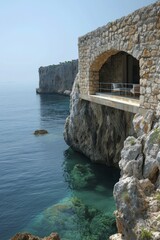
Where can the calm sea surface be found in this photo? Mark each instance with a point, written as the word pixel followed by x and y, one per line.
pixel 44 185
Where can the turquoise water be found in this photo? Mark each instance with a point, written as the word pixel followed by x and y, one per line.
pixel 44 185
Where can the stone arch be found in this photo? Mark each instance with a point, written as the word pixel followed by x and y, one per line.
pixel 99 61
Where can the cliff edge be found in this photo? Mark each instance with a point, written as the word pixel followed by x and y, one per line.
pixel 137 193
pixel 96 131
pixel 57 78
pixel 106 135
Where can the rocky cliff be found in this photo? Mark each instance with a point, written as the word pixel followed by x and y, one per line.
pixel 95 130
pixel 137 193
pixel 57 78
pixel 106 135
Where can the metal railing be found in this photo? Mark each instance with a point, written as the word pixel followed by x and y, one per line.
pixel 125 89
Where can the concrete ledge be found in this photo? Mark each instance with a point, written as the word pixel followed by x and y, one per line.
pixel 118 102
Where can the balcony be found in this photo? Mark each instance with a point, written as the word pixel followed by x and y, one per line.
pixel 123 96
pixel 130 90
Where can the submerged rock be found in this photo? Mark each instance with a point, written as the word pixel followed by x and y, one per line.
pixel 82 176
pixel 40 132
pixel 28 236
pixel 75 220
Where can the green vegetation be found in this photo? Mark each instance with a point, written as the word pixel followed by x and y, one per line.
pixel 158 196
pixel 155 137
pixel 82 176
pixel 126 197
pixel 132 141
pixel 145 234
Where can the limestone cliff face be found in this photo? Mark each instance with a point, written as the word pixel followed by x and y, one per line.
pixel 106 135
pixel 58 78
pixel 137 193
pixel 95 130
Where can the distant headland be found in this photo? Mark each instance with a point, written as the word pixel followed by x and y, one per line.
pixel 57 78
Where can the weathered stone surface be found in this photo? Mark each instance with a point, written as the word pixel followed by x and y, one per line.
pixel 131 205
pixel 137 193
pixel 143 124
pixel 117 236
pixel 147 186
pixel 151 149
pixel 58 78
pixel 95 130
pixel 28 236
pixel 131 158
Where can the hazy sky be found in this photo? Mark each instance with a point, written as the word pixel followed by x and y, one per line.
pixel 36 33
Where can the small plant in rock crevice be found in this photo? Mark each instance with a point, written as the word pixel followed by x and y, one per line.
pixel 126 197
pixel 132 142
pixel 155 137
pixel 145 234
pixel 158 196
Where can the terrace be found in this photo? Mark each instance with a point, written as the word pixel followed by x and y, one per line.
pixel 115 83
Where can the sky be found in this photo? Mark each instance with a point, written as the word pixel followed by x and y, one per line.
pixel 36 33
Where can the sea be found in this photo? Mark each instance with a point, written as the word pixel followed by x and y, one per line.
pixel 45 186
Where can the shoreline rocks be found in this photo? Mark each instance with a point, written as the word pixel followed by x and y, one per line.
pixel 28 236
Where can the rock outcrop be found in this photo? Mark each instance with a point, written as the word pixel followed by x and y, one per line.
pixel 137 193
pixel 95 130
pixel 106 135
pixel 40 132
pixel 57 78
pixel 28 236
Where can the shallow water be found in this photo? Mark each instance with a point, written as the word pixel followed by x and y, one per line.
pixel 40 190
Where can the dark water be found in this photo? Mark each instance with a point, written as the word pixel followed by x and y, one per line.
pixel 44 185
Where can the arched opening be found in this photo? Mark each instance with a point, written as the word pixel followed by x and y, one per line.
pixel 118 75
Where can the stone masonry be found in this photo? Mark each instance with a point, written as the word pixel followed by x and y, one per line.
pixel 138 34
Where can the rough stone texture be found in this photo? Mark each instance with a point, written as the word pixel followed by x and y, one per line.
pixel 137 35
pixel 143 124
pixel 28 236
pixel 117 236
pixel 95 130
pixel 137 193
pixel 58 78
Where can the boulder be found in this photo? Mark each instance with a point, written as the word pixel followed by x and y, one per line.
pixel 40 132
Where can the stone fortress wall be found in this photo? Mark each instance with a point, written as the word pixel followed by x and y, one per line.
pixel 138 34
pixel 58 78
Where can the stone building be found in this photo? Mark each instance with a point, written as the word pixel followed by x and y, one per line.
pixel 119 64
